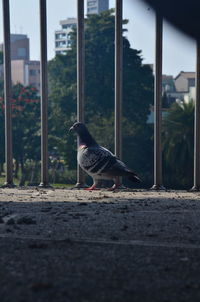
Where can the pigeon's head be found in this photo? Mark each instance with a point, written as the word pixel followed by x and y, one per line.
pixel 79 128
pixel 83 134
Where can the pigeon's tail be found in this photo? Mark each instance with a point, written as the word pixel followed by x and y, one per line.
pixel 133 177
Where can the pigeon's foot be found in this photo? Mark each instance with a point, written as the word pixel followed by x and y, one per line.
pixel 93 187
pixel 114 187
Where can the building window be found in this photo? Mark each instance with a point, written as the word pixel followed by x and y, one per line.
pixel 21 52
pixel 32 72
pixel 191 82
pixel 91 3
pixel 60 36
pixel 68 26
pixel 61 44
pixel 92 9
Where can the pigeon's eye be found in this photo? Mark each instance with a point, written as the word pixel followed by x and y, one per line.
pixel 77 126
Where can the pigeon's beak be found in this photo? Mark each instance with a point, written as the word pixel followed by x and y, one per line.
pixel 71 129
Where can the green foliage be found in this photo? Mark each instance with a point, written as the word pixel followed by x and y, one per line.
pixel 165 102
pixel 25 106
pixel 26 117
pixel 64 177
pixel 178 145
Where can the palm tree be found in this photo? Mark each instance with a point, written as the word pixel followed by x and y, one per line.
pixel 178 144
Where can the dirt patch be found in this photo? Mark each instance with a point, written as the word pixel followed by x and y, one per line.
pixel 75 245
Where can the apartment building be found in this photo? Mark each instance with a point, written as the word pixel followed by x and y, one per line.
pixel 97 6
pixel 184 81
pixel 19 47
pixel 63 36
pixel 180 88
pixel 23 70
pixel 26 72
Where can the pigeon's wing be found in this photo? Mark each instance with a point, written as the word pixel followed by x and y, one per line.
pixel 118 168
pixel 95 159
pixel 98 161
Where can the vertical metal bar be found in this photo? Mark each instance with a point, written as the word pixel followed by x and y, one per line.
pixel 7 94
pixel 80 76
pixel 196 186
pixel 44 94
pixel 118 78
pixel 158 105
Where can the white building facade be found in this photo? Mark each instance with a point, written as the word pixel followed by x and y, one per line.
pixel 26 73
pixel 97 6
pixel 62 36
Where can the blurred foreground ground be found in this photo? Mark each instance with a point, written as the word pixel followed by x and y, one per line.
pixel 70 245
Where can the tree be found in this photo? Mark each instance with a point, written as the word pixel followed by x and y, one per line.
pixel 26 128
pixel 178 145
pixel 165 101
pixel 26 125
pixel 99 92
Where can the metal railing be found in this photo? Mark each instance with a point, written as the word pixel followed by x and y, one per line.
pixel 196 186
pixel 80 77
pixel 158 106
pixel 158 183
pixel 44 94
pixel 7 94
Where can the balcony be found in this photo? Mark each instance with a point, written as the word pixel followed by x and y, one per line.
pixel 76 245
pixel 158 177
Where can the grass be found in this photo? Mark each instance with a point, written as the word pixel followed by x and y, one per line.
pixel 56 185
pixel 3 179
pixel 63 186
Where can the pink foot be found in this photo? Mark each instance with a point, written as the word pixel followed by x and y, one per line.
pixel 114 187
pixel 93 187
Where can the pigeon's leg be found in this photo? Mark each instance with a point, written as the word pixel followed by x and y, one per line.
pixel 116 185
pixel 93 187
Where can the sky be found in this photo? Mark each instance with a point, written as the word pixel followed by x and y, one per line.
pixel 178 49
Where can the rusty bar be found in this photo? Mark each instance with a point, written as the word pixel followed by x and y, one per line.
pixel 7 94
pixel 158 105
pixel 118 78
pixel 80 77
pixel 44 94
pixel 196 186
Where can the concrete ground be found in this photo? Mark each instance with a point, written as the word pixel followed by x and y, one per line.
pixel 70 245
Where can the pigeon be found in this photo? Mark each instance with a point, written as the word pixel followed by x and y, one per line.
pixel 98 161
